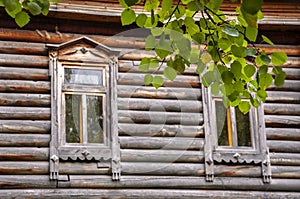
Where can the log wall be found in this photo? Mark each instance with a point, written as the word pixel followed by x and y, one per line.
pixel 160 130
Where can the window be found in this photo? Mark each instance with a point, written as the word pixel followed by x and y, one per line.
pixel 83 104
pixel 232 137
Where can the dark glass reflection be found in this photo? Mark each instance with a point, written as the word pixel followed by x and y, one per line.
pixel 94 119
pixel 243 128
pixel 83 76
pixel 73 127
pixel 222 130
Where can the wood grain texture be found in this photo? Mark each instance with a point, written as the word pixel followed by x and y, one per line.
pixel 29 113
pixel 24 140
pixel 22 86
pixel 24 154
pixel 21 99
pixel 24 126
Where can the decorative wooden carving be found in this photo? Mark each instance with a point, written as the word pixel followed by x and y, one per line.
pixel 80 53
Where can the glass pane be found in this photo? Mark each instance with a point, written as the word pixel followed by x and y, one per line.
pixel 73 118
pixel 94 119
pixel 243 128
pixel 222 130
pixel 83 76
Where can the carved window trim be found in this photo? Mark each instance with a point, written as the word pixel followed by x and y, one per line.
pixel 258 154
pixel 83 53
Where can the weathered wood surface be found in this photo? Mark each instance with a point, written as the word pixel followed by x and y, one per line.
pixel 24 168
pixel 142 193
pixel 291 159
pixel 286 121
pixel 284 146
pixel 24 126
pixel 24 140
pixel 179 81
pixel 283 134
pixel 93 181
pixel 23 48
pixel 24 154
pixel 161 93
pixel 154 155
pixel 29 113
pixel 159 105
pixel 20 99
pixel 24 86
pixel 289 85
pixel 15 60
pixel 282 109
pixel 26 181
pixel 155 117
pixel 175 143
pixel 283 97
pixel 159 130
pixel 24 73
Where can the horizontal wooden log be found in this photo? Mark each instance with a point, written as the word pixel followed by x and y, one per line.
pixel 69 168
pixel 283 121
pixel 227 183
pixel 132 66
pixel 151 117
pixel 23 86
pixel 283 134
pixel 24 48
pixel 291 159
pixel 292 73
pixel 282 109
pixel 142 193
pixel 179 81
pixel 19 99
pixel 159 105
pixel 289 85
pixel 24 168
pixel 24 126
pixel 153 155
pixel 176 143
pixel 24 140
pixel 175 169
pixel 160 93
pixel 33 61
pixel 283 97
pixel 24 154
pixel 159 130
pixel 284 146
pixel 24 73
pixel 26 181
pixel 26 113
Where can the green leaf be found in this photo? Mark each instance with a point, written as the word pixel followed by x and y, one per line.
pixel 22 18
pixel 263 70
pixel 215 88
pixel 157 31
pixel 254 102
pixel 265 58
pixel 267 40
pixel 236 69
pixel 231 31
pixel 253 86
pixel 194 56
pixel 12 7
pixel 122 3
pixel 34 8
pixel 262 95
pixel 200 67
pixel 249 70
pixel 251 19
pixel 46 6
pixel 148 79
pixel 208 78
pixel 198 37
pixel 180 11
pixel 192 28
pixel 265 80
pixel 170 73
pixel 279 79
pixel 279 58
pixel 150 42
pixel 206 58
pixel 252 6
pixel 141 20
pixel 277 70
pixel 131 2
pixel 195 6
pixel 224 43
pixel 151 5
pixel 250 51
pixel 157 81
pixel 238 51
pixel 244 107
pixel 147 63
pixel 251 33
pixel 166 4
pixel 178 64
pixel 227 77
pixel 127 17
pixel 214 4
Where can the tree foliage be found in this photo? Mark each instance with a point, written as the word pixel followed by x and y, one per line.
pixel 229 63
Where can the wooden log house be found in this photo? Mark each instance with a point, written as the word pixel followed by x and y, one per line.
pixel 153 143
